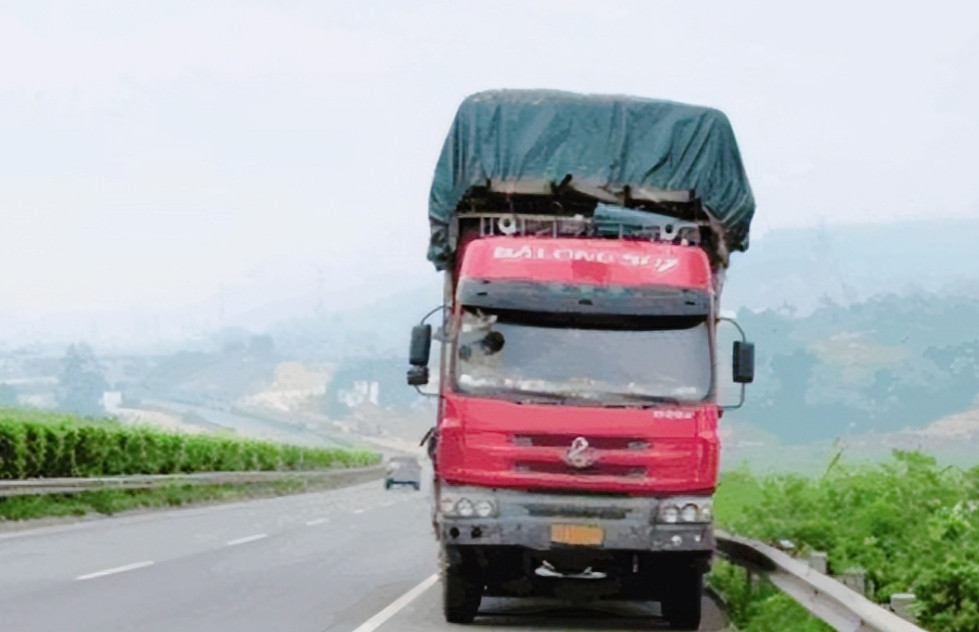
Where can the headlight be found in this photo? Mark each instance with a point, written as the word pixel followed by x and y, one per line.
pixel 465 508
pixel 685 509
pixel 460 504
pixel 447 505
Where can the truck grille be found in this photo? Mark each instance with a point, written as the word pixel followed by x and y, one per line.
pixel 571 511
pixel 599 469
pixel 565 440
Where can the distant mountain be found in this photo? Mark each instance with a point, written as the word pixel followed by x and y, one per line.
pixel 379 328
pixel 802 269
pixel 881 365
pixel 859 329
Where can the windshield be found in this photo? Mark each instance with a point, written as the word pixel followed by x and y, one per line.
pixel 665 359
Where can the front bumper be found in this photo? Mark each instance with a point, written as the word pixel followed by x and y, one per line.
pixel 525 519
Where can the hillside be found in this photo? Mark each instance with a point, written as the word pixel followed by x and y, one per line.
pixel 379 328
pixel 804 268
pixel 881 365
pixel 859 329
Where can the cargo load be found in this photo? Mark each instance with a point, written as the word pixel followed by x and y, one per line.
pixel 552 152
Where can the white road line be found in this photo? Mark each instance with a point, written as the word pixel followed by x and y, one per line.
pixel 358 511
pixel 246 539
pixel 313 523
pixel 113 571
pixel 381 617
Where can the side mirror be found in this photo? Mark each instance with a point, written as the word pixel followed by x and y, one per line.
pixel 743 362
pixel 421 345
pixel 418 376
pixel 418 353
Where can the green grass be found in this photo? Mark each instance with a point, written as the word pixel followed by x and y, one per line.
pixel 111 501
pixel 737 492
pixel 39 444
pixel 910 522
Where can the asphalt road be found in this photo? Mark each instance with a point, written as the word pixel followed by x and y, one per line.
pixel 351 560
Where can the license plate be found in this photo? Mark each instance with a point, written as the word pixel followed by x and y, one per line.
pixel 577 534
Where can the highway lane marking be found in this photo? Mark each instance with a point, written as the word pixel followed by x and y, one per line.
pixel 247 539
pixel 381 617
pixel 313 523
pixel 358 511
pixel 113 571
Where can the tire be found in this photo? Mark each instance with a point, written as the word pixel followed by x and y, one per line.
pixel 417 486
pixel 387 484
pixel 682 603
pixel 461 594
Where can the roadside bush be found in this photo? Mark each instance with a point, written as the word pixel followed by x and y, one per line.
pixel 948 597
pixel 171 453
pixel 913 525
pixel 35 447
pixel 50 445
pixel 13 450
pixel 54 453
pixel 201 454
pixel 291 458
pixel 231 457
pixel 91 450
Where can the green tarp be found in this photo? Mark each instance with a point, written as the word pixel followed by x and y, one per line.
pixel 606 141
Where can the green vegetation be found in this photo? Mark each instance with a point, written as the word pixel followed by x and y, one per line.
pixel 112 501
pixel 35 444
pixel 911 524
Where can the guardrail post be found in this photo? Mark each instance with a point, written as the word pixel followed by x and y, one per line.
pixel 818 561
pixel 901 605
pixel 855 579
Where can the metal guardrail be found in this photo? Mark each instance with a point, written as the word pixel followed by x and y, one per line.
pixel 35 486
pixel 823 596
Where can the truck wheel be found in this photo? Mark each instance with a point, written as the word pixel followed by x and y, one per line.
pixel 682 602
pixel 417 486
pixel 461 595
pixel 387 484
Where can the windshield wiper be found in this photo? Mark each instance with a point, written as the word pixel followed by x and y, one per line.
pixel 527 396
pixel 598 398
pixel 648 399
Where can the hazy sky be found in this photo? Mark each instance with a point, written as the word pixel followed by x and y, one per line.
pixel 151 152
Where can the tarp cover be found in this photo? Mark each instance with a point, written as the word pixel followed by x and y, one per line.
pixel 604 140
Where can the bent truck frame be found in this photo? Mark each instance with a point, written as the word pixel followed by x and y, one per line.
pixel 576 447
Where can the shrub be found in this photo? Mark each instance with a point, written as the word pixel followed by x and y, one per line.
pixel 913 525
pixel 34 444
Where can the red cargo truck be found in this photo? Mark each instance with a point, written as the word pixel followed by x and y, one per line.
pixel 584 240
